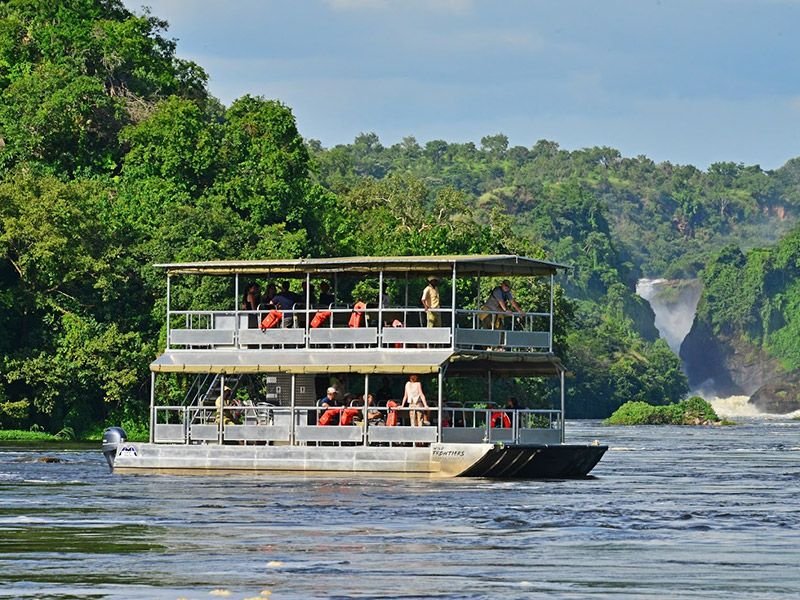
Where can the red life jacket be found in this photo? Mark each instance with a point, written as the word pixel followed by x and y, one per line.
pixel 272 319
pixel 357 318
pixel 328 416
pixel 320 318
pixel 347 416
pixel 392 417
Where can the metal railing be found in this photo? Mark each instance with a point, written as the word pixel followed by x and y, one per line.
pixel 268 424
pixel 344 327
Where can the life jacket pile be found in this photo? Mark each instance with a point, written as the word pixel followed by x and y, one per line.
pixel 329 417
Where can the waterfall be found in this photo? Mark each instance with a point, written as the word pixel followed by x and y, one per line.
pixel 674 302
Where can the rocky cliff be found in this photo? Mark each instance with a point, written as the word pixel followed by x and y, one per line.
pixel 722 367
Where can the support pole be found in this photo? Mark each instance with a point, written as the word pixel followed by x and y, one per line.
pixel 552 292
pixel 563 419
pixel 440 412
pixel 292 416
pixel 308 311
pixel 381 300
pixel 153 408
pixel 169 321
pixel 453 305
pixel 236 307
pixel 478 304
pixel 221 409
pixel 366 405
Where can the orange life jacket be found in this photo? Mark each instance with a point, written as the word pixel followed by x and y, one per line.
pixel 500 419
pixel 328 416
pixel 320 318
pixel 272 319
pixel 347 416
pixel 357 318
pixel 392 417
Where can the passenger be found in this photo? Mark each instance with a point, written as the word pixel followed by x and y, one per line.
pixel 252 296
pixel 223 401
pixel 430 300
pixel 512 404
pixel 383 297
pixel 251 301
pixel 329 399
pixel 328 408
pixel 326 298
pixel 500 300
pixel 269 294
pixel 414 397
pixel 284 301
pixel 374 416
pixel 287 291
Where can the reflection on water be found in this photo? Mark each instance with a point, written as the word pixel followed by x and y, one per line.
pixel 671 512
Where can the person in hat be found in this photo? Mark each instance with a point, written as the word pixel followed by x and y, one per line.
pixel 430 300
pixel 222 403
pixel 500 300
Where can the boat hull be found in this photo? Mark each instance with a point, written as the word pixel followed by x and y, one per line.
pixel 509 461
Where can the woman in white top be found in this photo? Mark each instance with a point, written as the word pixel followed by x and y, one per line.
pixel 414 397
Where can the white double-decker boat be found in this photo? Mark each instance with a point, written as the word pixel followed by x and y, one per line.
pixel 238 390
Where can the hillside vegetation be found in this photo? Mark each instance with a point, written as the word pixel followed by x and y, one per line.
pixel 113 156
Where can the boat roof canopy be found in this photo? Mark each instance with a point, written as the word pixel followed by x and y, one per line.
pixel 458 363
pixel 475 264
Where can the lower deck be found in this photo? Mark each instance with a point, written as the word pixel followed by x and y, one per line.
pixel 435 460
pixel 299 426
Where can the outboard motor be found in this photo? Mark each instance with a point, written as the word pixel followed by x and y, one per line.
pixel 112 438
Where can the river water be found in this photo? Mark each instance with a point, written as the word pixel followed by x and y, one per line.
pixel 670 512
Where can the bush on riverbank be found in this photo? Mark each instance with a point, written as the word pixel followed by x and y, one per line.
pixel 136 431
pixel 692 411
pixel 20 435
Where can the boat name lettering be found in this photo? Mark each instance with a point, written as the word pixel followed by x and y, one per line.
pixel 442 452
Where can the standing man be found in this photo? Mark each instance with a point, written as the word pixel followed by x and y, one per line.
pixel 500 300
pixel 430 300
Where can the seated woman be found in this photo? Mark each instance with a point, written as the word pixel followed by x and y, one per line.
pixel 374 416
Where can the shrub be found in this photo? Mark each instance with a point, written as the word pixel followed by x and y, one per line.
pixel 692 411
pixel 13 413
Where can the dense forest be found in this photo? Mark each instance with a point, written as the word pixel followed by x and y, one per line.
pixel 114 156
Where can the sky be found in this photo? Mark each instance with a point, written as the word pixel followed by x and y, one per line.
pixel 685 81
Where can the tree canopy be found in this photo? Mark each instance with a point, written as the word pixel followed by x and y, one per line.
pixel 113 156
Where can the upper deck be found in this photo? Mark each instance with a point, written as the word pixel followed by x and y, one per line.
pixel 386 336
